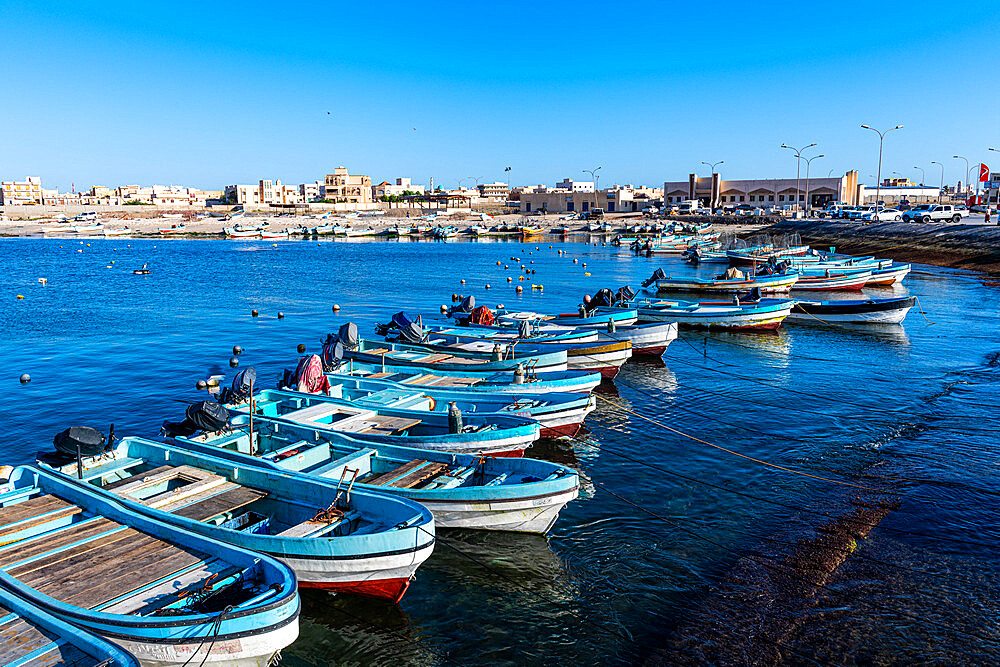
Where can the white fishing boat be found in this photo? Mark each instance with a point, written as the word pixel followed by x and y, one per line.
pixel 87 229
pixel 124 231
pixel 273 235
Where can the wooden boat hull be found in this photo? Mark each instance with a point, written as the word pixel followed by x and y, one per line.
pixel 851 281
pixel 889 276
pixel 768 285
pixel 475 382
pixel 530 506
pixel 867 311
pixel 650 339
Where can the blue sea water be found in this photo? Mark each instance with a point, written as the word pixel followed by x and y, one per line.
pixel 689 574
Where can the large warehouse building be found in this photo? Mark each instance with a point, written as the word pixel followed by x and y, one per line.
pixel 714 192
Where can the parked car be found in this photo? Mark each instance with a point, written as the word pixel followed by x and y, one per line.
pixel 883 215
pixel 932 212
pixel 595 214
pixel 831 209
pixel 844 211
pixel 858 211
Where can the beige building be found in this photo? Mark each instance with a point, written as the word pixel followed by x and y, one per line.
pixel 494 191
pixel 613 200
pixel 266 192
pixel 21 192
pixel 400 187
pixel 713 192
pixel 341 187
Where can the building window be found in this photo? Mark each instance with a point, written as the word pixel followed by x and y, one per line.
pixel 586 205
pixel 770 198
pixel 569 206
pixel 781 197
pixel 741 197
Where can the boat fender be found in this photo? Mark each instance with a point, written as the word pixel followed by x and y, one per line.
pixel 454 418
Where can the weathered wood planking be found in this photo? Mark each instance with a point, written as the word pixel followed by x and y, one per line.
pixel 227 501
pixel 401 470
pixel 419 475
pixel 50 541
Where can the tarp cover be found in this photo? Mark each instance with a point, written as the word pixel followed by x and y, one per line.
pixel 309 376
pixel 207 415
pixel 481 315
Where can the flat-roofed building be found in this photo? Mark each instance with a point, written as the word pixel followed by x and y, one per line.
pixel 21 192
pixel 575 186
pixel 342 187
pixel 494 191
pixel 613 200
pixel 713 192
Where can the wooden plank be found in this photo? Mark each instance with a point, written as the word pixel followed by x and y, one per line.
pixel 435 358
pixel 419 475
pixel 20 637
pixel 31 508
pixel 144 480
pixel 170 504
pixel 69 510
pixel 64 654
pixel 451 381
pixel 48 542
pixel 227 501
pixel 423 379
pixel 401 470
pixel 128 480
pixel 65 564
pixel 143 571
pixel 389 425
pixel 188 493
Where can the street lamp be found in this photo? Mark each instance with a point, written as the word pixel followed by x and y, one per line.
pixel 594 175
pixel 878 179
pixel 711 197
pixel 923 176
pixel 968 168
pixel 798 165
pixel 464 178
pixel 941 189
pixel 507 171
pixel 808 162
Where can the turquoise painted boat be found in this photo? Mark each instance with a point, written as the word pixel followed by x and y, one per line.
pixel 760 314
pixel 412 354
pixel 163 594
pixel 483 435
pixel 780 283
pixel 487 493
pixel 558 413
pixel 31 636
pixel 333 536
pixel 469 381
pixel 584 320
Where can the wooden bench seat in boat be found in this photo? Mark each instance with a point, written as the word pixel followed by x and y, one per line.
pixel 383 425
pixel 409 474
pixel 314 528
pixel 354 458
pixel 20 638
pixel 34 512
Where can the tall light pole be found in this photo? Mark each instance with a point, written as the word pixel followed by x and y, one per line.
pixel 923 176
pixel 997 150
pixel 593 175
pixel 878 178
pixel 941 190
pixel 968 168
pixel 808 162
pixel 507 171
pixel 711 198
pixel 798 166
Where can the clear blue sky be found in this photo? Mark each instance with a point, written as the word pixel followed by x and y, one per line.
pixel 207 94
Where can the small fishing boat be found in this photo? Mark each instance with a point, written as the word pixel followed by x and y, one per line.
pixel 479 230
pixel 452 359
pixel 649 339
pixel 274 235
pixel 173 229
pixel 367 231
pixel 562 230
pixel 861 311
pixel 142 271
pixel 487 382
pixel 752 257
pixel 32 636
pixel 489 435
pixel 760 314
pixel 241 232
pixel 772 284
pixel 172 216
pixel 558 413
pixel 333 535
pixel 583 319
pixel 462 491
pixel 830 280
pixel 891 275
pixel 447 232
pixel 124 231
pixel 163 594
pixel 86 229
pixel 319 230
pixel 530 230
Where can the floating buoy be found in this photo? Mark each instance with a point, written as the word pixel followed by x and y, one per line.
pixel 20 296
pixel 281 315
pixel 584 265
pixel 213 381
pixel 444 308
pixel 254 313
pixel 43 280
pixel 336 307
pixel 487 285
pixel 237 350
pixel 201 385
pixel 275 245
pixel 509 279
pixel 520 278
pixel 498 262
pixel 300 348
pixel 25 378
pixel 80 250
pixel 500 306
pixel 519 289
pixel 532 272
pixel 234 362
pixel 454 297
pixel 586 274
pixel 532 262
pixel 536 247
pixel 506 266
pixel 575 261
pixel 463 281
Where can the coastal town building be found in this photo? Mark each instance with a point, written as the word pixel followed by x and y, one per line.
pixel 713 192
pixel 342 187
pixel 496 192
pixel 401 187
pixel 310 191
pixel 617 199
pixel 575 186
pixel 266 191
pixel 28 191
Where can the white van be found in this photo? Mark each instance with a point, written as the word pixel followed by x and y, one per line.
pixel 688 207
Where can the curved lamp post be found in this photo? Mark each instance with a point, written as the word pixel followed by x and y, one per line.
pixel 878 178
pixel 798 165
pixel 808 162
pixel 596 177
pixel 941 189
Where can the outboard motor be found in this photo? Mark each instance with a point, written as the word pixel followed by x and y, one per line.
pixel 467 306
pixel 347 335
pixel 657 275
pixel 333 353
pixel 81 440
pixel 603 297
pixel 625 293
pixel 242 386
pixel 207 416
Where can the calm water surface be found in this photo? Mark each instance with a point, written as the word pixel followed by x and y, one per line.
pixel 693 578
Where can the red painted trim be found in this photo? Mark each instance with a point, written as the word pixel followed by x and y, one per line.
pixel 566 429
pixel 383 589
pixel 655 351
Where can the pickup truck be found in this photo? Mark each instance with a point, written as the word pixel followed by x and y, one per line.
pixel 934 212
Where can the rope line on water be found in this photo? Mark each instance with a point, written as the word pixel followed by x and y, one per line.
pixel 735 453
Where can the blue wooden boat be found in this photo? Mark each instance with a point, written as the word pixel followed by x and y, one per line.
pixel 470 381
pixel 853 311
pixel 758 314
pixel 462 491
pixel 412 354
pixel 333 536
pixel 484 435
pixel 558 413
pixel 31 636
pixel 584 319
pixel 163 594
pixel 772 284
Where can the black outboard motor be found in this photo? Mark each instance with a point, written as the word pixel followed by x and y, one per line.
pixel 333 352
pixel 409 331
pixel 625 293
pixel 81 440
pixel 463 309
pixel 207 416
pixel 242 385
pixel 657 275
pixel 750 296
pixel 603 297
pixel 347 336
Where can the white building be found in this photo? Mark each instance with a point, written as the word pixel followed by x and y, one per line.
pixel 21 192
pixel 494 191
pixel 575 186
